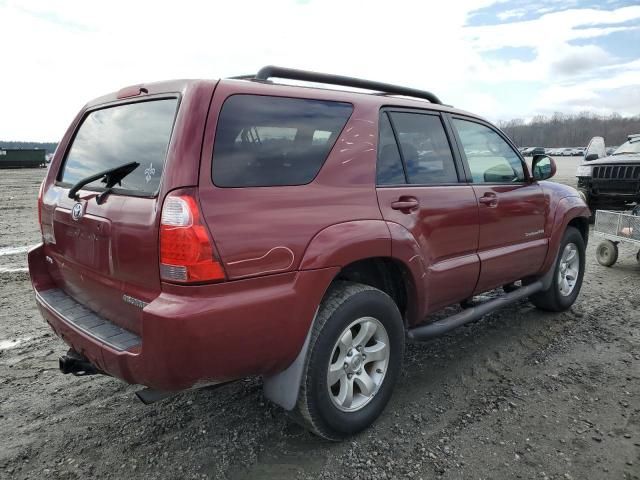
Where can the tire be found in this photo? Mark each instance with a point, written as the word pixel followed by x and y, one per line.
pixel 348 306
pixel 607 253
pixel 510 287
pixel 592 207
pixel 559 297
pixel 638 256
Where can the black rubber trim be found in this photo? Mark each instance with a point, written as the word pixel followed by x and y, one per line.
pixel 88 321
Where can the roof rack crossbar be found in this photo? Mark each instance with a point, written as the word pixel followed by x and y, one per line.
pixel 272 71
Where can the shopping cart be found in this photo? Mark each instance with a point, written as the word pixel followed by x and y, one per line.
pixel 616 227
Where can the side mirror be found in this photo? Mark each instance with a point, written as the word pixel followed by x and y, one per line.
pixel 543 167
pixel 591 156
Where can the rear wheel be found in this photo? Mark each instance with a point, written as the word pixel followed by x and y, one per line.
pixel 567 275
pixel 354 359
pixel 607 253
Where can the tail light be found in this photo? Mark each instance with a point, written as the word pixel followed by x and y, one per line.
pixel 40 205
pixel 186 252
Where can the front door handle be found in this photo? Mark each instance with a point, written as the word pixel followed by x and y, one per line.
pixel 405 204
pixel 489 199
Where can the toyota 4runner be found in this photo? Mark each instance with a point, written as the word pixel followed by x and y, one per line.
pixel 197 232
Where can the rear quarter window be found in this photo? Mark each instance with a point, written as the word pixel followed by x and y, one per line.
pixel 264 141
pixel 110 137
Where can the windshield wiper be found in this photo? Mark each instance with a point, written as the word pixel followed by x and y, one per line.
pixel 109 177
pixel 626 153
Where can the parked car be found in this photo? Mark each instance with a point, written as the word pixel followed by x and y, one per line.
pixel 196 232
pixel 566 152
pixel 537 151
pixel 610 181
pixel 531 151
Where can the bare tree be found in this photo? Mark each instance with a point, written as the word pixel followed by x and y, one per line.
pixel 561 130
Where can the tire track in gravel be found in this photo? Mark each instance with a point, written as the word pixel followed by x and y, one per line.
pixel 518 394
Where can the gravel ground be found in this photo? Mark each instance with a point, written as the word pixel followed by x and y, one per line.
pixel 520 394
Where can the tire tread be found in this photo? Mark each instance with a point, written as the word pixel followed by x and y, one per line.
pixel 339 292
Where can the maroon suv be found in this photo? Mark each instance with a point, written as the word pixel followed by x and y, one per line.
pixel 196 232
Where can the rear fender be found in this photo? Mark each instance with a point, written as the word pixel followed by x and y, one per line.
pixel 344 243
pixel 335 246
pixel 406 250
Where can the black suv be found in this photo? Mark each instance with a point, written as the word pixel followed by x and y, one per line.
pixel 610 182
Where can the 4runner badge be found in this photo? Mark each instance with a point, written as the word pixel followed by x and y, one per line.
pixel 76 211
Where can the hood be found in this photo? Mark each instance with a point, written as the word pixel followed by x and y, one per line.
pixel 560 190
pixel 610 160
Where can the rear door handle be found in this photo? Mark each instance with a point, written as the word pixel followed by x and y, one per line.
pixel 489 199
pixel 405 204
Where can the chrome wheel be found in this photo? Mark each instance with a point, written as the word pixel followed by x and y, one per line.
pixel 358 364
pixel 569 269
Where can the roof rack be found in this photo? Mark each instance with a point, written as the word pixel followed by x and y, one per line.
pixel 270 71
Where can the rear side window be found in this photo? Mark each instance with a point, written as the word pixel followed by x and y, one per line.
pixel 425 148
pixel 390 170
pixel 110 137
pixel 264 141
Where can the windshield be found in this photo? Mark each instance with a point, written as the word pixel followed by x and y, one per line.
pixel 630 147
pixel 110 137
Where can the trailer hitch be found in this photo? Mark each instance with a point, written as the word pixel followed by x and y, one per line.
pixel 78 365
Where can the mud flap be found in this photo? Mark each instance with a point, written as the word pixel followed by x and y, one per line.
pixel 282 388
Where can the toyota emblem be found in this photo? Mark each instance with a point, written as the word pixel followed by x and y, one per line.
pixel 76 211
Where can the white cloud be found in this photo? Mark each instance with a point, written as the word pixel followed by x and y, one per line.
pixel 575 60
pixel 570 77
pixel 61 53
pixel 116 43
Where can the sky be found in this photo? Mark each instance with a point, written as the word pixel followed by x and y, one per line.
pixel 499 59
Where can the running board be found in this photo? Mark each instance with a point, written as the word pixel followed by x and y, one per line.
pixel 471 314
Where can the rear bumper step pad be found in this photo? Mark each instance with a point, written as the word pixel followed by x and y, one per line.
pixel 87 321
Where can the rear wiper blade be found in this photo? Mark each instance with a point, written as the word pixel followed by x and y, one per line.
pixel 109 177
pixel 626 153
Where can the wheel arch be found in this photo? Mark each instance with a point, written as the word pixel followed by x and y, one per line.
pixel 385 273
pixel 570 211
pixel 582 225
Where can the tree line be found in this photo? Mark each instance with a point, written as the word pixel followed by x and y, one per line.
pixel 562 130
pixel 50 147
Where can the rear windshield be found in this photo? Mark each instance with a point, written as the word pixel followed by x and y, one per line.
pixel 269 141
pixel 110 137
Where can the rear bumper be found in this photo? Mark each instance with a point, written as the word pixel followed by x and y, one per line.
pixel 198 335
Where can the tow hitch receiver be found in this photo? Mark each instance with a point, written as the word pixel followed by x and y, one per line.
pixel 73 362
